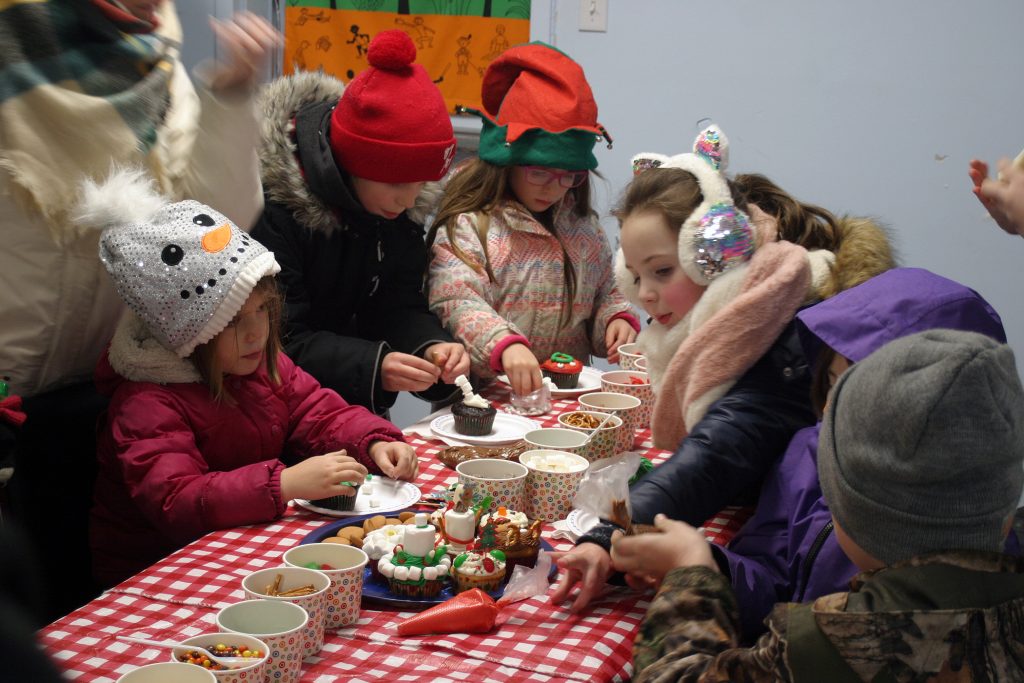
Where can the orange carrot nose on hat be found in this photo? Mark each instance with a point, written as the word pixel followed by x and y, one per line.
pixel 539 110
pixel 391 124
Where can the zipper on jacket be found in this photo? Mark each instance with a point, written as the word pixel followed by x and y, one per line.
pixel 812 555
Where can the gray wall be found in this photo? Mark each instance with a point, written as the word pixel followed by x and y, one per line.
pixel 872 108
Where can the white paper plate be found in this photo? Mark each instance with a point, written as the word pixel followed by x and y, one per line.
pixel 507 428
pixel 390 494
pixel 580 522
pixel 590 380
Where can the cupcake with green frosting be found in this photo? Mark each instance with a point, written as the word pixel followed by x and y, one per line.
pixel 416 568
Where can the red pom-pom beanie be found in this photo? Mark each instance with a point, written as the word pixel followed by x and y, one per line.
pixel 391 124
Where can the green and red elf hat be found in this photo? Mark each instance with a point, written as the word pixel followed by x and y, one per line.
pixel 538 111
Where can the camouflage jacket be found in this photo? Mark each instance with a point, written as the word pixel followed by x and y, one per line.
pixel 958 614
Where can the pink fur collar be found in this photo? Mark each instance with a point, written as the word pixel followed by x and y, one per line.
pixel 719 351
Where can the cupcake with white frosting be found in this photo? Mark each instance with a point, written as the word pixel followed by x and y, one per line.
pixel 415 567
pixel 473 415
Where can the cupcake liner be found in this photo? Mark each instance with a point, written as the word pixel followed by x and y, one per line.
pixel 488 584
pixel 563 380
pixel 474 425
pixel 427 589
pixel 339 503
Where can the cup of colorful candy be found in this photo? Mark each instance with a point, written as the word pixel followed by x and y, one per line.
pixel 226 645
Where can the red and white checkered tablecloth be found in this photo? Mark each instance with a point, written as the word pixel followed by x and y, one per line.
pixel 179 596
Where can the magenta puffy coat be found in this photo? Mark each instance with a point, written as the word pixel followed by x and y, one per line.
pixel 174 464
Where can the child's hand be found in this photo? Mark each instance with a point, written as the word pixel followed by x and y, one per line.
pixel 396 459
pixel 248 40
pixel 403 372
pixel 619 332
pixel 321 476
pixel 451 358
pixel 648 557
pixel 587 565
pixel 521 368
pixel 1002 197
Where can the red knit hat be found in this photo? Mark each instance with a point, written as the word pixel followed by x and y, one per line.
pixel 391 124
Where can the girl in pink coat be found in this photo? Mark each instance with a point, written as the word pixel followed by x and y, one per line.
pixel 210 425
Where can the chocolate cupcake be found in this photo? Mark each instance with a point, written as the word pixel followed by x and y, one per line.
pixel 339 503
pixel 473 420
pixel 563 370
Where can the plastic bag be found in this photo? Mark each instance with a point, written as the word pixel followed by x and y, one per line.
pixel 527 582
pixel 607 484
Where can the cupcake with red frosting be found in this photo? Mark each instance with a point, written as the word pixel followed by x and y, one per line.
pixel 563 369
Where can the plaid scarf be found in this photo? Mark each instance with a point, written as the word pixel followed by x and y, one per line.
pixel 82 86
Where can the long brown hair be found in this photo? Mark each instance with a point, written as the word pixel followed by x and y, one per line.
pixel 808 225
pixel 477 187
pixel 204 358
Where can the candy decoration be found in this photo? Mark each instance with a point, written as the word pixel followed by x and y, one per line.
pixel 472 611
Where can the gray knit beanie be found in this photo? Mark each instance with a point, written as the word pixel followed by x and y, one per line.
pixel 922 446
pixel 183 268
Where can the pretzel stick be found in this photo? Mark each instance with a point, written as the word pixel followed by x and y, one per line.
pixel 295 592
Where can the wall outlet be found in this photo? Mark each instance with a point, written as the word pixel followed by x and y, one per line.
pixel 594 15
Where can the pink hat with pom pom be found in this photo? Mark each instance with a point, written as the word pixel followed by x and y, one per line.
pixel 391 124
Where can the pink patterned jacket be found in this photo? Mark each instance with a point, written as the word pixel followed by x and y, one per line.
pixel 526 299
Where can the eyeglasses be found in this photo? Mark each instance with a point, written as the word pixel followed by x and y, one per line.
pixel 538 175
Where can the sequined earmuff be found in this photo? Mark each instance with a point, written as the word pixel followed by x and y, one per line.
pixel 717 236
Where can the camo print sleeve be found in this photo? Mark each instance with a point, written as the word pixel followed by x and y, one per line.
pixel 690 634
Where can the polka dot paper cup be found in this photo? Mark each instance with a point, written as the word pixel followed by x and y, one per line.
pixel 641 364
pixel 279 625
pixel 557 439
pixel 625 382
pixel 256 586
pixel 629 354
pixel 251 673
pixel 343 565
pixel 621 405
pixel 604 442
pixel 503 480
pixel 551 483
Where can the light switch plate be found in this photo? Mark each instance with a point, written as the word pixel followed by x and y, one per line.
pixel 594 15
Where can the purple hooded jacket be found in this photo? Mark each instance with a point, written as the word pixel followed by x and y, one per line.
pixel 787 552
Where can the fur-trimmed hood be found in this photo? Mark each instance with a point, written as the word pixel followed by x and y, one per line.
pixel 295 157
pixel 135 355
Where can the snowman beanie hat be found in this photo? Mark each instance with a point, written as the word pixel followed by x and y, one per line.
pixel 182 267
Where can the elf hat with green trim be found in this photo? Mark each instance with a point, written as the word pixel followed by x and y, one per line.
pixel 538 110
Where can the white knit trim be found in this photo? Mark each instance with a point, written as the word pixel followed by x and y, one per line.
pixel 660 343
pixel 231 304
pixel 136 355
pixel 715 190
pixel 625 280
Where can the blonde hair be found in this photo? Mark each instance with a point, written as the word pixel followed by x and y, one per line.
pixel 204 358
pixel 477 187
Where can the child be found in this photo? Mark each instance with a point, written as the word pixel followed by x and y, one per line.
pixel 344 170
pixel 210 425
pixel 521 268
pixel 787 552
pixel 920 460
pixel 1002 197
pixel 732 384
